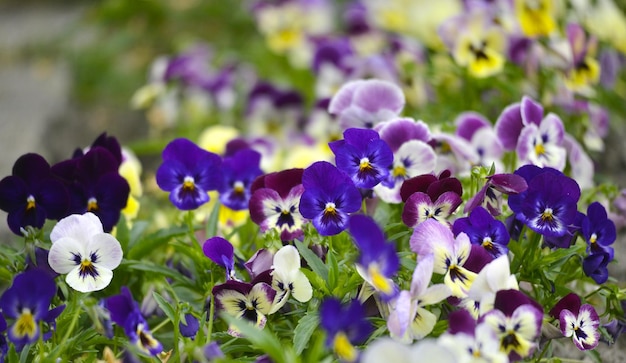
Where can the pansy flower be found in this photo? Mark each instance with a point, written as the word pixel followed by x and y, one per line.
pixel 579 321
pixel 287 279
pixel 31 195
pixel 222 253
pixel 363 156
pixel 489 194
pixel 493 277
pixel 596 265
pixel 345 327
pixel 516 319
pixel 238 171
pixel 328 199
pixel 248 301
pixel 408 318
pixel 584 70
pixel 476 129
pixel 27 302
pixel 597 229
pixel 125 312
pixel 430 197
pixel 450 253
pixel 82 250
pixel 275 203
pixel 366 103
pixel 188 173
pixel 535 17
pixel 378 260
pixel 386 349
pixel 484 230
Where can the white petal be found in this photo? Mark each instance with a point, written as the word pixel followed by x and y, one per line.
pixel 387 350
pixel 435 294
pixel 302 290
pixel 77 226
pixel 62 255
pixel 107 249
pixel 423 323
pixel 286 261
pixel 87 283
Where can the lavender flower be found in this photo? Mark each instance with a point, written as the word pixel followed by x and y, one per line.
pixel 345 326
pixel 329 197
pixel 188 173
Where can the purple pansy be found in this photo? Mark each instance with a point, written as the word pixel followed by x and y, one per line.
pixel 188 173
pixel 275 203
pixel 597 229
pixel 239 170
pixel 427 196
pixel 484 230
pixel 489 194
pixel 366 103
pixel 378 261
pixel 125 312
pixel 345 327
pixel 272 111
pixel 222 253
pixel 329 197
pixel 363 156
pixel 259 263
pixel 477 130
pixel 27 303
pixel 595 266
pixel 190 327
pixel 580 321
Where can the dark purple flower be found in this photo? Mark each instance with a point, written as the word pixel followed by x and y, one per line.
pixel 110 143
pixel 597 229
pixel 378 261
pixel 427 196
pixel 189 329
pixel 275 203
pixel 595 265
pixel 188 173
pixel 363 156
pixel 221 252
pixel 484 230
pixel 345 327
pixel 125 312
pixel 239 170
pixel 578 321
pixel 27 302
pixel 329 197
pixel 31 194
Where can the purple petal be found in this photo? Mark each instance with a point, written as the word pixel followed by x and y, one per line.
pixel 413 206
pixel 461 321
pixel 220 251
pixel 509 126
pixel 400 130
pixel 31 167
pixel 260 262
pixel 375 95
pixel 569 302
pixel 344 97
pixel 366 234
pixel 508 183
pixel 419 183
pixel 531 111
pixel 468 123
pixel 577 40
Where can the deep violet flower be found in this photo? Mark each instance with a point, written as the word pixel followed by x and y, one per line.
pixel 275 203
pixel 363 156
pixel 427 196
pixel 378 260
pixel 239 170
pixel 31 195
pixel 329 197
pixel 345 327
pixel 484 230
pixel 125 312
pixel 597 229
pixel 189 328
pixel 221 252
pixel 595 265
pixel 188 173
pixel 27 303
pixel 577 320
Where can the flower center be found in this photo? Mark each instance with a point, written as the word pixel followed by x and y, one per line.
pixel 238 187
pixel 92 205
pixel 593 238
pixel 330 209
pixel 189 184
pixel 399 171
pixel 25 325
pixel 547 215
pixel 540 149
pixel 30 202
pixel 87 268
pixel 344 349
pixel 379 281
pixel 487 243
pixel 364 165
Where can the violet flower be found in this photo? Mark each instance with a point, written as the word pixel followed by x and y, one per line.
pixel 579 321
pixel 597 229
pixel 430 197
pixel 190 327
pixel 484 230
pixel 476 129
pixel 378 260
pixel 222 253
pixel 329 197
pixel 125 312
pixel 275 203
pixel 27 302
pixel 363 156
pixel 31 195
pixel 188 173
pixel 345 327
pixel 487 196
pixel 596 265
pixel 239 170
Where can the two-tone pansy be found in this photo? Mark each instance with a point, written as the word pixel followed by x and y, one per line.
pixel 577 320
pixel 430 197
pixel 287 279
pixel 82 250
pixel 345 326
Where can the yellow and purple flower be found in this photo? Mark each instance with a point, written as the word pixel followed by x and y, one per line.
pixel 484 230
pixel 345 327
pixel 238 171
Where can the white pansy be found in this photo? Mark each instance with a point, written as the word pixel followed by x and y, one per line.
pixel 287 279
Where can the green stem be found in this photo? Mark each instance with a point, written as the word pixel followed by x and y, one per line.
pixel 543 351
pixel 160 325
pixel 70 330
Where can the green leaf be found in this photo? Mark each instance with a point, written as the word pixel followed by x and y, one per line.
pixel 333 270
pixel 139 227
pixel 165 306
pixel 122 233
pixel 153 241
pixel 314 262
pixel 157 269
pixel 262 339
pixel 303 332
pixel 211 224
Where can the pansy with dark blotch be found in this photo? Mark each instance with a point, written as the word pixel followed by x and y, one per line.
pixel 95 185
pixel 427 196
pixel 27 303
pixel 484 230
pixel 549 205
pixel 597 229
pixel 238 171
pixel 378 261
pixel 329 197
pixel 577 320
pixel 489 194
pixel 222 253
pixel 275 203
pixel 363 156
pixel 516 320
pixel 125 312
pixel 249 301
pixel 188 173
pixel 345 326
pixel 31 194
